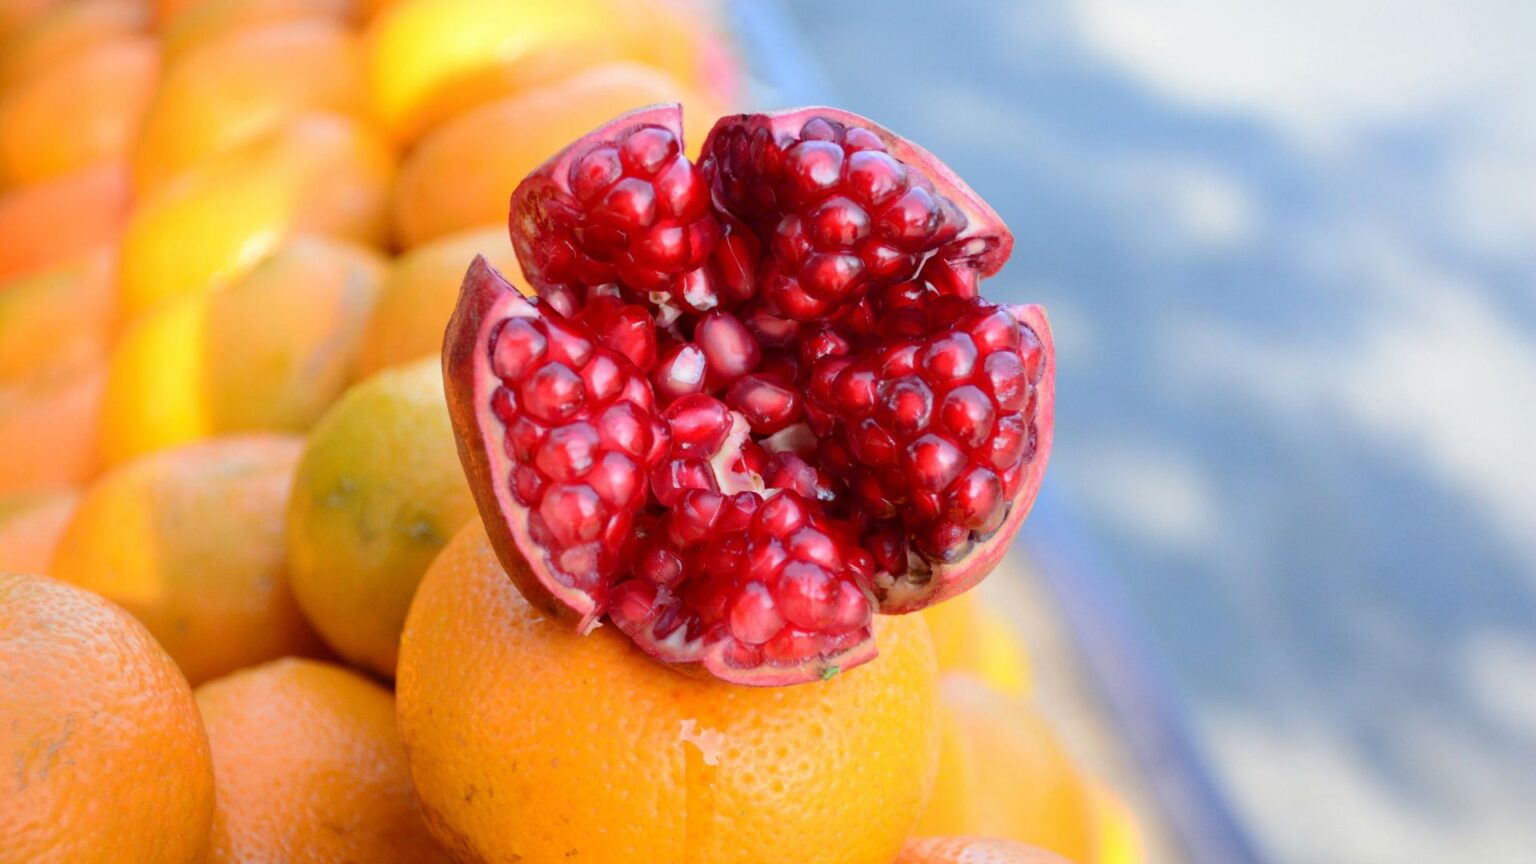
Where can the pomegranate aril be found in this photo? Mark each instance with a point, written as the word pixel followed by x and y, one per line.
pixel 933 462
pixel 553 393
pixel 729 349
pixel 646 150
pixel 951 357
pixel 519 346
pixel 1005 376
pixel 768 403
pixel 966 416
pixel 680 371
pixel 755 617
pixel 699 424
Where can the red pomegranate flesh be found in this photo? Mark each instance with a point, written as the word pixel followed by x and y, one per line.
pixel 757 398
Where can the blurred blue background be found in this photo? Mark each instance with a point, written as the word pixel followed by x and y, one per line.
pixel 1289 250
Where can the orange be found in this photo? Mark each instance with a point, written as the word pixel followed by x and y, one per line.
pixel 50 222
pixel 1005 774
pixel 973 850
pixel 431 59
pixel 105 756
pixel 212 19
pixel 16 15
pixel 48 431
pixel 419 294
pixel 379 491
pixel 310 769
pixel 81 111
pixel 58 320
pixel 270 352
pixel 319 173
pixel 1117 834
pixel 191 542
pixel 529 740
pixel 971 637
pixel 463 173
pixel 30 526
pixel 237 87
pixel 68 30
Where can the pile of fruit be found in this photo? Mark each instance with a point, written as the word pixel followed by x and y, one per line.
pixel 344 524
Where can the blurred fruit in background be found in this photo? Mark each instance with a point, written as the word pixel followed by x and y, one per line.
pixel 419 294
pixel 269 352
pixel 309 767
pixel 48 431
pixel 190 541
pixel 30 526
pixel 973 850
pixel 379 491
pixel 972 638
pixel 209 20
pixel 106 759
pixel 45 223
pixel 68 30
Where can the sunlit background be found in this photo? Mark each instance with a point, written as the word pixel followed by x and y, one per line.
pixel 1289 250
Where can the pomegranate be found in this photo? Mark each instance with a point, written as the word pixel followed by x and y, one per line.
pixel 757 398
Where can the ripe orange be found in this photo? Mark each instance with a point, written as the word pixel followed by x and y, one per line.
pixel 310 770
pixel 48 431
pixel 51 222
pixel 68 30
pixel 419 294
pixel 213 19
pixel 973 850
pixel 57 320
pixel 79 112
pixel 30 526
pixel 105 756
pixel 1005 774
pixel 530 742
pixel 461 174
pixel 243 85
pixel 379 491
pixel 191 542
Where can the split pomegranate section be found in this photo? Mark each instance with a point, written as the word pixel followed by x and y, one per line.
pixel 757 398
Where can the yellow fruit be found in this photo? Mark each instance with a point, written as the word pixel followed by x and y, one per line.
pixel 68 30
pixel 191 542
pixel 431 59
pixel 378 493
pixel 973 638
pixel 55 221
pixel 462 173
pixel 1117 836
pixel 211 20
pixel 420 291
pixel 30 525
pixel 527 739
pixel 1004 774
pixel 310 770
pixel 242 86
pixel 56 321
pixel 270 352
pixel 79 113
pixel 105 757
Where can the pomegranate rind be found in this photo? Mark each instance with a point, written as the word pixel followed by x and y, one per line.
pixel 949 579
pixel 486 298
pixel 984 245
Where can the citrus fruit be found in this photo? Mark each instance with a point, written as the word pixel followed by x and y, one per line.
pixel 378 492
pixel 240 86
pixel 270 352
pixel 419 293
pixel 191 542
pixel 969 636
pixel 49 430
pixel 105 756
pixel 68 30
pixel 309 769
pixel 53 221
pixel 82 110
pixel 56 320
pixel 30 525
pixel 210 20
pixel 973 850
pixel 318 173
pixel 459 174
pixel 527 739
pixel 1005 774
pixel 1117 834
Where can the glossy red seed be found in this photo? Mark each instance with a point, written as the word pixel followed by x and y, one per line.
pixel 1005 377
pixel 518 346
pixel 593 173
pixel 932 462
pixel 951 357
pixel 838 222
pixel 976 499
pixel 768 403
pixel 646 150
pixel 755 617
pixel 567 452
pixel 808 595
pixel 966 415
pixel 699 424
pixel 552 393
pixel 618 480
pixel 729 349
pixel 905 405
pixel 678 372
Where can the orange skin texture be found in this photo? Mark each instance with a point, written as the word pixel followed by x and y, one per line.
pixel 30 527
pixel 78 112
pixel 990 742
pixel 210 20
pixel 527 739
pixel 240 86
pixel 68 30
pixel 310 769
pixel 418 296
pixel 56 220
pixel 460 174
pixel 973 850
pixel 106 757
pixel 191 542
pixel 48 432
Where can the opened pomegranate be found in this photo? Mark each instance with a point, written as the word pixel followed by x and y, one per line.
pixel 758 398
